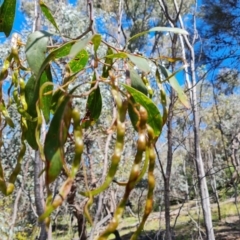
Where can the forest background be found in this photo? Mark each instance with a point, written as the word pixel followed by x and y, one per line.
pixel 111 110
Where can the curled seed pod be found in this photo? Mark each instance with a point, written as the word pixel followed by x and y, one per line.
pixel 86 209
pixel 151 184
pixel 4 70
pixel 22 94
pixel 77 132
pixel 134 175
pixel 121 114
pixel 16 97
pixel 17 168
pixel 147 84
pixel 38 131
pixel 58 200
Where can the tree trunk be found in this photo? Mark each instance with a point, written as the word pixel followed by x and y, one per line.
pixel 213 182
pixel 38 193
pixel 202 183
pixel 168 171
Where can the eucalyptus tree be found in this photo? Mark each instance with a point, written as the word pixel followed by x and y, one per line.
pixel 188 46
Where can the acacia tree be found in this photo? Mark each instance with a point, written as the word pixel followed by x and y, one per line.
pixel 41 99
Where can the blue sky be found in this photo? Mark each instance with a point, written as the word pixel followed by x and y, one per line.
pixel 19 18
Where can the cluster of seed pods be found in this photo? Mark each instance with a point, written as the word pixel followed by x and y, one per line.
pixel 145 144
pixel 13 62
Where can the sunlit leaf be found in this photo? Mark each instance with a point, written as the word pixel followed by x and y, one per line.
pixel 36 49
pixel 160 29
pixel 7 15
pixel 117 55
pixel 79 62
pixel 154 116
pixel 79 45
pixel 137 83
pixel 61 51
pixel 96 40
pixel 140 62
pixel 168 29
pixel 175 85
pixel 48 15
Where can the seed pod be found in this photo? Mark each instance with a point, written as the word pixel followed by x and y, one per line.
pixel 86 210
pixel 151 184
pixel 147 84
pixel 22 94
pixel 134 175
pixel 17 168
pixel 77 132
pixel 58 200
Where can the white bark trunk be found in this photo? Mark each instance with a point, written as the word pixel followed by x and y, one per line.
pixel 192 84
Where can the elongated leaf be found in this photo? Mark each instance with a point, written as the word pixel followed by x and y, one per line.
pixel 31 99
pixel 96 40
pixel 169 29
pixel 94 107
pixel 137 83
pixel 117 55
pixel 7 15
pixel 160 29
pixel 30 96
pixel 48 15
pixel 79 62
pixel 175 85
pixel 30 134
pixel 154 116
pixel 140 62
pixel 108 64
pixel 132 114
pixel 36 48
pixel 79 46
pixel 60 52
pixel 53 147
pixel 46 99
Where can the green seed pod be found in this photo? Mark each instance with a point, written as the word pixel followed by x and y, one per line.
pixel 77 132
pixel 86 210
pixel 52 204
pixel 134 174
pixel 38 132
pixel 17 168
pixel 22 94
pixel 147 84
pixel 151 184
